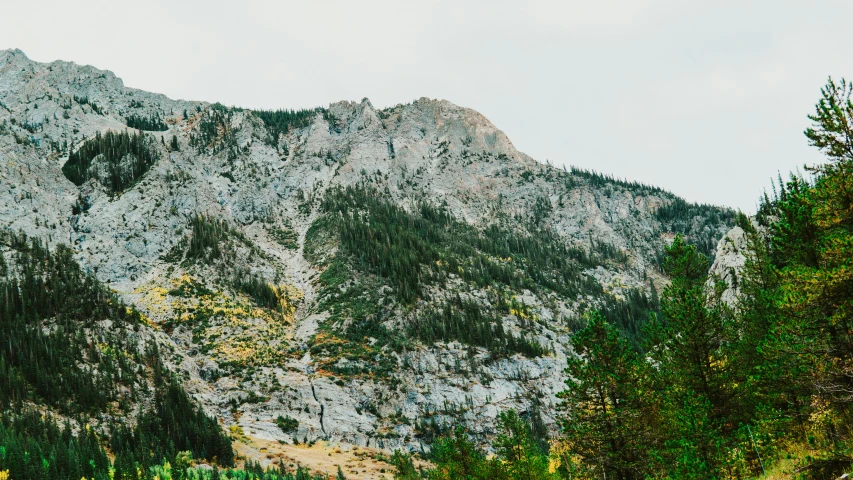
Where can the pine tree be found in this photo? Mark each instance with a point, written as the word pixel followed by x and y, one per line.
pixel 812 246
pixel 607 416
pixel 404 467
pixel 693 376
pixel 514 444
pixel 457 457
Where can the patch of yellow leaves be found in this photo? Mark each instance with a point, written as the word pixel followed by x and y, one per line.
pixel 240 331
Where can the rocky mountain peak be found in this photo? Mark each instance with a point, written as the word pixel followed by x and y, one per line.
pixel 12 55
pixel 309 263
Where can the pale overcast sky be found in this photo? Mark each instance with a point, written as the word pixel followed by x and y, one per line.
pixel 705 98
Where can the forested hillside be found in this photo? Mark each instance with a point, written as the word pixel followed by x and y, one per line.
pixel 210 286
pixel 760 388
pixel 73 347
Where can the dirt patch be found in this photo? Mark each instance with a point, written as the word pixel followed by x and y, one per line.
pixel 356 462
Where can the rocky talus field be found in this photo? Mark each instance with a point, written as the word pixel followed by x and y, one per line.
pixel 358 276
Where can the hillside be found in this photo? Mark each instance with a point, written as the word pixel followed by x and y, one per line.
pixel 361 276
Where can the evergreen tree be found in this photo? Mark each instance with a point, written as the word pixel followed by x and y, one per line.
pixel 607 416
pixel 404 467
pixel 457 457
pixel 522 458
pixel 811 243
pixel 125 159
pixel 279 122
pixel 153 123
pixel 693 377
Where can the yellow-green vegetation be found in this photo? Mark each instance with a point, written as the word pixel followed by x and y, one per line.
pixel 231 329
pixel 72 359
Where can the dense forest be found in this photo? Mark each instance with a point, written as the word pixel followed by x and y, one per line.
pixel 124 158
pixel 758 389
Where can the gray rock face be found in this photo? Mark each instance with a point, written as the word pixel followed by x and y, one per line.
pixel 729 261
pixel 428 150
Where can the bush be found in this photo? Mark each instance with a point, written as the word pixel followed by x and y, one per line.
pixel 287 424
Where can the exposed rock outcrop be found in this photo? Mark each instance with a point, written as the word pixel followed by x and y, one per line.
pixel 249 363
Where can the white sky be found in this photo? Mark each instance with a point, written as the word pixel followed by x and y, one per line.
pixel 705 98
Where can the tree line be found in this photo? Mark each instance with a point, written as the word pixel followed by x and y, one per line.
pixel 71 346
pixel 760 388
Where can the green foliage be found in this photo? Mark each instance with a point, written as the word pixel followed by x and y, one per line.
pixel 608 420
pixel 257 288
pixel 516 447
pixel 730 392
pixel 279 122
pixel 794 232
pixel 85 101
pixel 630 313
pixel 681 409
pixel 72 345
pixel 404 467
pixel 250 471
pixel 412 250
pixel 60 366
pixel 356 326
pixel 174 424
pixel 285 237
pixel 467 322
pixel 214 132
pixel 33 447
pixel 206 236
pixel 689 353
pixel 806 296
pixel 210 239
pixel 382 238
pixel 832 129
pixel 702 224
pixel 287 424
pixel 153 123
pixel 125 159
pixel 601 180
pixel 456 456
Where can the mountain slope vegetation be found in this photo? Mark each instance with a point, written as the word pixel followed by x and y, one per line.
pixel 373 278
pixel 755 388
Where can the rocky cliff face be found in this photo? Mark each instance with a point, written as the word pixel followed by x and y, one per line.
pixel 335 266
pixel 728 263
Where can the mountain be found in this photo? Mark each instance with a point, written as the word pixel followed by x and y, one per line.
pixel 359 275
